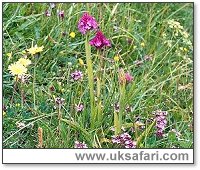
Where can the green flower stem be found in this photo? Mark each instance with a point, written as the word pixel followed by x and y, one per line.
pixel 90 82
pixel 99 82
pixel 121 104
pixel 59 119
pixel 99 110
pixel 116 123
pixel 14 91
pixel 22 95
pixel 145 133
pixel 34 105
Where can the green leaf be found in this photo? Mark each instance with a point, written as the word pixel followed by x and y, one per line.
pixel 185 144
pixel 116 124
pixel 145 133
pixel 172 136
pixel 77 127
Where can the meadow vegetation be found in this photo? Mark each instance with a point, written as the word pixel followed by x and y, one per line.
pixel 122 77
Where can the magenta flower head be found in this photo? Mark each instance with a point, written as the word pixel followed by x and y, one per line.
pixel 77 75
pixel 99 41
pixel 128 77
pixel 61 14
pixel 80 145
pixel 161 122
pixel 86 23
pixel 124 140
pixel 116 107
pixel 47 13
pixel 79 107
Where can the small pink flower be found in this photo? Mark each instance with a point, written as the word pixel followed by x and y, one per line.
pixel 47 13
pixel 77 75
pixel 79 107
pixel 128 77
pixel 80 145
pixel 61 14
pixel 86 23
pixel 124 140
pixel 161 122
pixel 148 57
pixel 116 107
pixel 99 41
pixel 59 102
pixel 130 144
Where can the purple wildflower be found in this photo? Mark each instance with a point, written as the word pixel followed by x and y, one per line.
pixel 86 23
pixel 99 41
pixel 124 140
pixel 59 101
pixel 130 144
pixel 125 137
pixel 116 139
pixel 79 107
pixel 52 88
pixel 128 77
pixel 129 40
pixel 77 75
pixel 4 108
pixel 161 122
pixel 80 145
pixel 125 77
pixel 61 14
pixel 47 13
pixel 112 129
pixel 148 57
pixel 116 107
pixel 128 109
pixel 64 34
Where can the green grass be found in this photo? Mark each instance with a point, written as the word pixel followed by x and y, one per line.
pixel 156 84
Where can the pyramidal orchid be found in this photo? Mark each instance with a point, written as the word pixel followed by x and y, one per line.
pixel 99 41
pixel 86 23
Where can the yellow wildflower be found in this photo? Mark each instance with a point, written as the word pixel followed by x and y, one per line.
pixel 164 35
pixel 32 50
pixel 17 105
pixel 116 58
pixel 39 49
pixel 181 48
pixel 175 24
pixel 105 140
pixel 81 62
pixel 24 62
pixel 138 124
pixel 185 49
pixel 142 44
pixel 9 55
pixel 62 52
pixel 185 34
pixel 35 49
pixel 4 113
pixel 72 34
pixel 17 69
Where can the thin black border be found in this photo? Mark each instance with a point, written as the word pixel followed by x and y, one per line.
pixel 193 6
